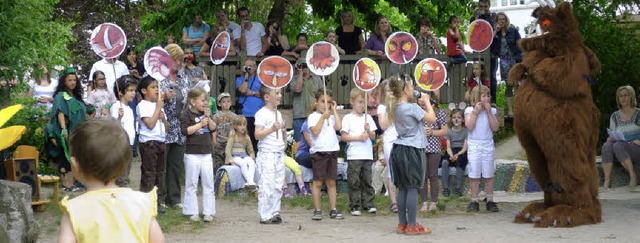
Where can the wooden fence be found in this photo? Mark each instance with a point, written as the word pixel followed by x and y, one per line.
pixel 223 77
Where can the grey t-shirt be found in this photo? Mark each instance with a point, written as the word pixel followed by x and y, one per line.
pixel 302 100
pixel 456 138
pixel 408 121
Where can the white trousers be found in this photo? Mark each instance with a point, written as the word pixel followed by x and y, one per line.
pixel 247 168
pixel 198 166
pixel 271 169
pixel 386 148
pixel 480 154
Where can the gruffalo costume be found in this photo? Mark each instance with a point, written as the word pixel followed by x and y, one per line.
pixel 556 121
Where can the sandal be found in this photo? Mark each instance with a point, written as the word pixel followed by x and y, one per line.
pixel 425 207
pixel 393 208
pixel 433 206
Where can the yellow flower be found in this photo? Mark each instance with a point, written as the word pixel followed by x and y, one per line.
pixel 12 134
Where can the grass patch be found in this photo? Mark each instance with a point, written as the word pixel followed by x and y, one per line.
pixel 174 222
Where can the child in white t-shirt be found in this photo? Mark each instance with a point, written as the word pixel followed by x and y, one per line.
pixel 125 91
pixel 358 129
pixel 270 133
pixel 480 120
pixel 153 129
pixel 324 151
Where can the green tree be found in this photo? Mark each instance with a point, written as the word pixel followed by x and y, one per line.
pixel 29 35
pixel 607 31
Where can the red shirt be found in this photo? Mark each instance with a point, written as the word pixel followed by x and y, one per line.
pixel 454 45
pixel 472 83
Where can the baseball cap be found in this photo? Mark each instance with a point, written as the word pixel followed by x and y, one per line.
pixel 222 95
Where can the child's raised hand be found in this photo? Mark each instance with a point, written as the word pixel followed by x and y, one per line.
pixel 120 113
pixel 207 113
pixel 159 103
pixel 478 107
pixel 487 107
pixel 204 122
pixel 276 126
pixel 364 136
pixel 367 128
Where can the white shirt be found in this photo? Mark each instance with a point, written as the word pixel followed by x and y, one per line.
pixel 390 134
pixel 253 38
pixel 482 131
pixel 127 121
pixel 265 118
pixel 146 109
pixel 107 68
pixel 354 125
pixel 326 141
pixel 44 91
pixel 232 28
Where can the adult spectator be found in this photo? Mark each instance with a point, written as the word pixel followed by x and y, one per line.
pixel 135 66
pixel 42 87
pixel 304 86
pixel 301 45
pixel 625 120
pixel 174 91
pixel 278 43
pixel 170 40
pixel 428 43
pixel 112 69
pixel 251 35
pixel 484 12
pixel 505 46
pixel 248 87
pixel 192 71
pixel 205 51
pixel 375 43
pixel 227 24
pixel 195 34
pixel 350 36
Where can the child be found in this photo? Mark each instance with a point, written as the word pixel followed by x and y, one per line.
pixel 407 154
pixel 390 135
pixel 324 151
pixel 100 96
pixel 481 122
pixel 270 133
pixel 477 76
pixel 126 92
pixel 331 37
pixel 91 111
pixel 455 48
pixel 357 130
pixel 433 130
pixel 303 156
pixel 239 151
pixel 97 163
pixel 153 129
pixel 196 124
pixel 67 112
pixel 456 152
pixel 295 168
pixel 224 120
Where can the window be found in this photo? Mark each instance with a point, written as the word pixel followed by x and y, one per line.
pixel 514 2
pixel 494 3
pixel 504 3
pixel 521 2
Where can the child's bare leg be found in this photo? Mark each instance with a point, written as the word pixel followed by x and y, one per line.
pixel 331 191
pixel 316 192
pixel 475 189
pixel 392 191
pixel 488 188
pixel 67 179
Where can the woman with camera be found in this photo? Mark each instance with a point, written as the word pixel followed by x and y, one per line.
pixel 249 101
pixel 278 43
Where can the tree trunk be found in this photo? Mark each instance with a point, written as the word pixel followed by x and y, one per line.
pixel 277 11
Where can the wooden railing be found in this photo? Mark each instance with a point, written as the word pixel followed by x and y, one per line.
pixel 224 76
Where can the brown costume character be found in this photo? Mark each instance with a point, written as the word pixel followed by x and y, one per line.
pixel 556 121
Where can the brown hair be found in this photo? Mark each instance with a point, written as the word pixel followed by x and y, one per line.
pixel 378 31
pixel 240 120
pixel 477 91
pixel 101 149
pixel 453 112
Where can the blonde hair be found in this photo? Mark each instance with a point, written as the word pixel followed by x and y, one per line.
pixel 378 31
pixel 506 18
pixel 355 92
pixel 193 94
pixel 174 51
pixel 631 92
pixel 240 121
pixel 477 91
pixel 397 84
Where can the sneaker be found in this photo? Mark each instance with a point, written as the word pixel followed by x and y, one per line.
pixel 445 192
pixel 370 209
pixel 355 211
pixel 250 187
pixel 277 219
pixel 194 218
pixel 272 220
pixel 458 192
pixel 161 211
pixel 417 230
pixel 492 207
pixel 207 218
pixel 286 193
pixel 317 215
pixel 473 207
pixel 335 214
pixel 162 205
pixel 402 228
pixel 179 205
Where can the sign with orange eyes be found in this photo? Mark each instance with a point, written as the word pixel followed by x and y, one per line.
pixel 401 47
pixel 323 58
pixel 275 72
pixel 366 74
pixel 220 48
pixel 108 40
pixel 430 74
pixel 480 35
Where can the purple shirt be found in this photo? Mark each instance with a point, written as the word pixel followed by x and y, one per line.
pixel 374 44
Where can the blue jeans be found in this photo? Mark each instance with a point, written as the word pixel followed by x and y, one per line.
pixel 458 59
pixel 297 126
pixel 494 81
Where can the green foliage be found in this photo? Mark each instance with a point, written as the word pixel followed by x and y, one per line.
pixel 29 36
pixel 30 116
pixel 615 41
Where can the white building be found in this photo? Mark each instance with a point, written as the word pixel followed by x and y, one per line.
pixel 518 11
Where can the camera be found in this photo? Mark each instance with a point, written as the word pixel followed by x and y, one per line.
pixel 302 65
pixel 247 69
pixel 417 94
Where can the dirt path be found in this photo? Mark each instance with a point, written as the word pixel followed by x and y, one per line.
pixel 510 149
pixel 238 222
